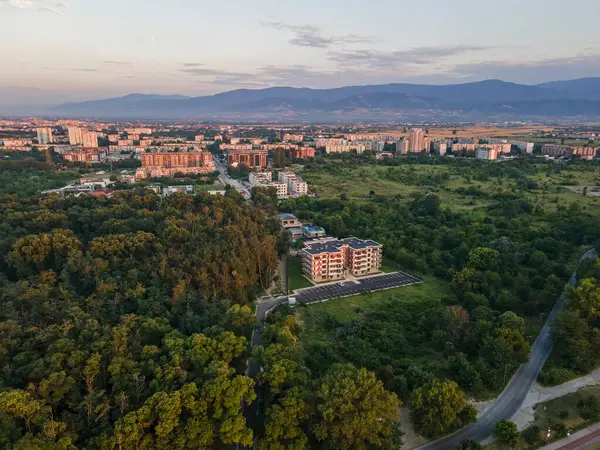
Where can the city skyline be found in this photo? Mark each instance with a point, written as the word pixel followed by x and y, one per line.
pixel 78 50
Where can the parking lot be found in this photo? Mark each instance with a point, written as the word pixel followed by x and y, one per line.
pixel 362 286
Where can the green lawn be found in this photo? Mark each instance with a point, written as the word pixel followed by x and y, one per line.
pixel 294 271
pixel 313 316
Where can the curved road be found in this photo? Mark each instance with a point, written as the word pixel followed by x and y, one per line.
pixel 511 399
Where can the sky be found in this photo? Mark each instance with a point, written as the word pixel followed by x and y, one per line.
pixel 65 50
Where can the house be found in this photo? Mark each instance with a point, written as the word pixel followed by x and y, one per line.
pixel 288 221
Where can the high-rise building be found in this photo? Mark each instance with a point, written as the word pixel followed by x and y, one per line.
pixel 44 136
pixel 90 139
pixel 416 140
pixel 75 136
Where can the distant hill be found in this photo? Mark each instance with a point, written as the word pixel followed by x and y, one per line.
pixel 484 99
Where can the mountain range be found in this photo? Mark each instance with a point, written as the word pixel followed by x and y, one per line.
pixel 490 99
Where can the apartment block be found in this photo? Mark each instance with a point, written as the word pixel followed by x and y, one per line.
pixel 295 184
pixel 330 260
pixel 440 148
pixel 265 179
pixel 416 140
pixel 555 150
pixel 44 136
pixel 303 152
pixel 464 147
pixel 90 139
pixel 252 158
pixel 524 146
pixel 486 154
pixel 293 137
pixel 75 136
pixel 167 164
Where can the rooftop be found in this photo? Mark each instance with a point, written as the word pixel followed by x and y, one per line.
pixel 336 246
pixel 286 216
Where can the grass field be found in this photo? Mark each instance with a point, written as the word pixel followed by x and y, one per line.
pixel 346 309
pixel 294 272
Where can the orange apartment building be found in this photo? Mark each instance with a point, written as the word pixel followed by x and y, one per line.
pixel 304 152
pixel 84 155
pixel 156 165
pixel 252 158
pixel 330 260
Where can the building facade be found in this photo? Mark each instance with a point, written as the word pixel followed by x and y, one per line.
pixel 75 136
pixel 44 136
pixel 330 260
pixel 303 152
pixel 295 184
pixel 416 140
pixel 90 139
pixel 156 165
pixel 252 158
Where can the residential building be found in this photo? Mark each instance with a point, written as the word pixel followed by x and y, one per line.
pixel 288 221
pixel 199 138
pixel 499 148
pixel 384 155
pixel 303 152
pixel 342 148
pixel 90 139
pixel 84 155
pixel 265 179
pixel 555 150
pixel 167 164
pixel 75 136
pixel 486 154
pixel 329 260
pixel 588 153
pixel 256 178
pixel 416 140
pixel 313 232
pixel 187 189
pixel 440 148
pixel 44 136
pixel 527 147
pixel 293 137
pixel 464 147
pixel 295 184
pixel 252 158
pixel 402 147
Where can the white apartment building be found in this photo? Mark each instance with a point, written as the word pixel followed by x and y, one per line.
pixel 265 179
pixel 44 136
pixel 295 184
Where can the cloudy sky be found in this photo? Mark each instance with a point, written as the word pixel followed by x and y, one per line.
pixel 75 49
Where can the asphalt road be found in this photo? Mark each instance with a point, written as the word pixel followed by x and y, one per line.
pixel 226 179
pixel 509 402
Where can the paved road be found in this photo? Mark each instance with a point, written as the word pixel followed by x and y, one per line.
pixel 226 179
pixel 509 402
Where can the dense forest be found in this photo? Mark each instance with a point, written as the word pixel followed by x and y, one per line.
pixel 124 320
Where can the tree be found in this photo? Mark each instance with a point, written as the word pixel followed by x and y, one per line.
pixel 437 408
pixel 506 432
pixel 354 409
pixel 572 344
pixel 589 409
pixel 284 421
pixel 469 445
pixel 585 297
